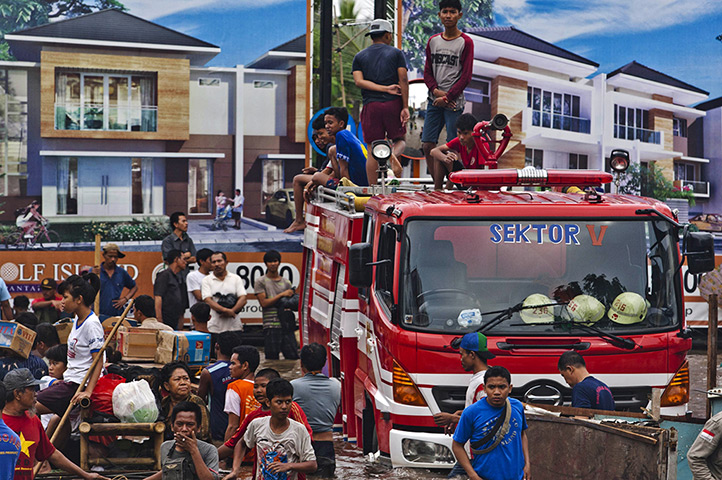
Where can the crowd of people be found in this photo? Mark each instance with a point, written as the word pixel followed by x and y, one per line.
pixel 238 413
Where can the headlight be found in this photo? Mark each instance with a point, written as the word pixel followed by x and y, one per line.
pixel 420 451
pixel 381 151
pixel 619 160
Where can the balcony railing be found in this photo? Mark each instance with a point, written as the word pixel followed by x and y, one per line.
pixel 99 117
pixel 642 134
pixel 698 188
pixel 557 121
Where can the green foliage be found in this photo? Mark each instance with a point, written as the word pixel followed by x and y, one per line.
pixel 96 228
pixel 139 230
pixel 6 230
pixel 21 14
pixel 651 182
pixel 423 22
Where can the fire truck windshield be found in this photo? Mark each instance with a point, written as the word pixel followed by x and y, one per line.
pixel 619 276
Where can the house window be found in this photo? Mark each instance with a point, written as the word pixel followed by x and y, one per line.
pixel 685 171
pixel 633 124
pixel 13 132
pixel 559 111
pixel 679 127
pixel 534 158
pixel 209 82
pixel 478 91
pixel 67 186
pixel 142 185
pixel 578 161
pixel 200 175
pixel 110 102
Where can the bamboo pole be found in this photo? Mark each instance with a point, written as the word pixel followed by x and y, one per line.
pixel 93 366
pixel 97 262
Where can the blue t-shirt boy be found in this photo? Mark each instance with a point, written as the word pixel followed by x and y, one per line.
pixel 506 461
pixel 591 393
pixel 350 150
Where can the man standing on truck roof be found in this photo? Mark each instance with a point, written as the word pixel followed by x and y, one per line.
pixel 380 72
pixel 447 72
pixel 587 391
pixel 496 427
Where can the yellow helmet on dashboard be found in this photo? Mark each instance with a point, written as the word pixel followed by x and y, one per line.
pixel 628 308
pixel 585 309
pixel 537 314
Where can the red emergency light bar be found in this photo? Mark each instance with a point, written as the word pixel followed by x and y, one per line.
pixel 531 177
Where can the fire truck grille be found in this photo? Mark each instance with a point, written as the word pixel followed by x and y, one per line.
pixel 451 399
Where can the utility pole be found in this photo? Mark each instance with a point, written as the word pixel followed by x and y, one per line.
pixel 325 47
pixel 380 10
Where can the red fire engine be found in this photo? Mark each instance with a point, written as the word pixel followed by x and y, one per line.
pixel 389 285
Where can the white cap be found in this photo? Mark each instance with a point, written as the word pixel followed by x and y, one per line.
pixel 378 26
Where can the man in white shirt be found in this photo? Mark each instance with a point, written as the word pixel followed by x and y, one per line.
pixel 195 278
pixel 218 290
pixel 474 354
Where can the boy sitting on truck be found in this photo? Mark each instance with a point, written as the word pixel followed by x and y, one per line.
pixel 305 180
pixel 460 152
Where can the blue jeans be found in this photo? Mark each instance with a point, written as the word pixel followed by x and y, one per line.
pixel 456 471
pixel 436 118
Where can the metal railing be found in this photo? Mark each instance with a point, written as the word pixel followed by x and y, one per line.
pixel 696 187
pixel 98 117
pixel 558 121
pixel 634 133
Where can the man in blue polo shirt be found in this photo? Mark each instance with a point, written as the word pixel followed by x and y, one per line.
pixel 113 280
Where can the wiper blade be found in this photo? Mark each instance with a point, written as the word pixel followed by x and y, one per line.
pixel 507 313
pixel 620 342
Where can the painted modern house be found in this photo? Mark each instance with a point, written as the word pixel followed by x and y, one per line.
pixel 564 114
pixel 108 115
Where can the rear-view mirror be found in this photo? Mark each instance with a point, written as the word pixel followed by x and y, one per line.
pixel 700 252
pixel 360 273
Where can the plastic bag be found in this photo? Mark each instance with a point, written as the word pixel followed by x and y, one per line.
pixel 102 396
pixel 134 403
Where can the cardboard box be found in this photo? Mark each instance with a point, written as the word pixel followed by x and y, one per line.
pixel 194 348
pixel 138 343
pixel 16 338
pixel 63 328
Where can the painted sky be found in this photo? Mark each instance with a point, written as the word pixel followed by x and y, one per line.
pixel 676 37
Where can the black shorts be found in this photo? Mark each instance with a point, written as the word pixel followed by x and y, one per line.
pixel 57 396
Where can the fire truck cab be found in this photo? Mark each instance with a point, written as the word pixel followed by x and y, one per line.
pixel 388 285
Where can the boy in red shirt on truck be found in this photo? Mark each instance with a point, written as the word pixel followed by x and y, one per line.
pixel 460 152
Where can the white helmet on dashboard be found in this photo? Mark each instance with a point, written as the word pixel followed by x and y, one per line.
pixel 628 308
pixel 585 309
pixel 540 314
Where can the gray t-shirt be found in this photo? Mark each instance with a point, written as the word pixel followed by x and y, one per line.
pixel 271 288
pixel 319 397
pixel 209 454
pixel 291 446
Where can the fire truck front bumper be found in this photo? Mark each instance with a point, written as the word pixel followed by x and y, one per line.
pixel 420 449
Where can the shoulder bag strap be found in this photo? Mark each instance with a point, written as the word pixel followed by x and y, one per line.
pixel 500 430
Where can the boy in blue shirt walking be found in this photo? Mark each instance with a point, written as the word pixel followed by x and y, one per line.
pixel 496 427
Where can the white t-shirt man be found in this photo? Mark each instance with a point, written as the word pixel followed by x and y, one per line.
pixel 475 390
pixel 291 446
pixel 212 285
pixel 83 341
pixel 193 282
